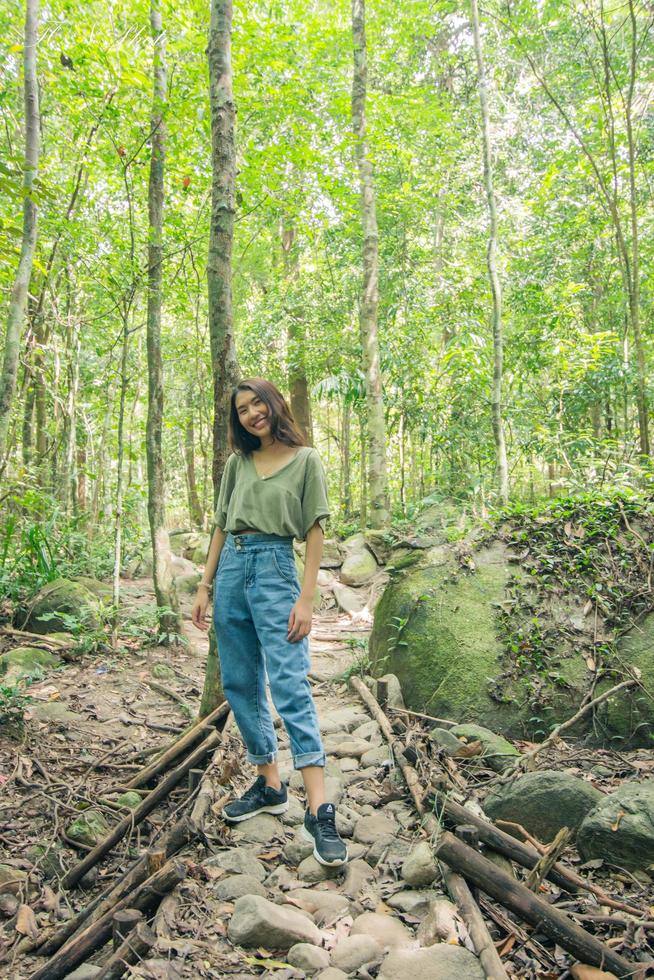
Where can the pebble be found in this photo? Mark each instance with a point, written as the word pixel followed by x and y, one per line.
pixel 353 951
pixel 308 958
pixel 412 902
pixel 257 922
pixel 420 868
pixel 259 830
pixel 313 900
pixel 312 871
pixel 368 730
pixel 357 875
pixel 239 861
pixel 229 889
pixel 378 756
pixel 440 924
pixel 297 849
pixel 384 929
pixel 369 829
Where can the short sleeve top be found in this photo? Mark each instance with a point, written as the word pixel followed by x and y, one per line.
pixel 288 502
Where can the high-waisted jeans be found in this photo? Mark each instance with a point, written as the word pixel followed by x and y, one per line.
pixel 255 589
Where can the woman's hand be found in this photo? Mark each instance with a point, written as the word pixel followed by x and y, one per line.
pixel 199 610
pixel 299 622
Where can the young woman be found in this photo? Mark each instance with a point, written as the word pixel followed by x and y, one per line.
pixel 273 490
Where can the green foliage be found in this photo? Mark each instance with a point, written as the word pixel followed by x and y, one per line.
pixel 13 703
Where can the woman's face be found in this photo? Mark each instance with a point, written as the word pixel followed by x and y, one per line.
pixel 253 413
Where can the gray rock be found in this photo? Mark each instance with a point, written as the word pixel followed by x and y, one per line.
pixel 331 973
pixel 440 924
pixel 342 720
pixel 358 568
pixel 295 813
pixel 386 849
pixel 543 802
pixel 348 600
pixel 497 752
pixel 349 764
pixel 353 951
pixel 394 691
pixel 87 971
pixel 443 738
pixel 11 880
pixel 259 830
pixel 312 871
pixel 357 875
pixel 350 747
pixel 369 730
pixel 631 810
pixel 229 889
pixel 414 902
pixel 297 849
pixel 378 756
pixel 331 555
pixel 63 596
pixel 439 962
pixel 386 930
pixel 308 958
pixel 420 869
pixel 313 900
pixel 238 861
pixel 368 829
pixel 258 922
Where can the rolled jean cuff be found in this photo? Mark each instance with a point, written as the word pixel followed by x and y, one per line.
pixel 309 759
pixel 261 760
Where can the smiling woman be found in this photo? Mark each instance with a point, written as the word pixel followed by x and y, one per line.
pixel 273 490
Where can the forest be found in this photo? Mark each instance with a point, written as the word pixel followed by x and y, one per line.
pixel 429 224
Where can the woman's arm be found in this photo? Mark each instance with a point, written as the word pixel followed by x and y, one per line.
pixel 299 622
pixel 211 564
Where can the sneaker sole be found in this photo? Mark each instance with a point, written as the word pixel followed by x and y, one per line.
pixel 321 860
pixel 276 809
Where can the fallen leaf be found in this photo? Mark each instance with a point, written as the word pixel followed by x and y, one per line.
pixel 590 663
pixel 50 901
pixel 468 751
pixel 26 922
pixel 580 971
pixel 616 824
pixel 270 855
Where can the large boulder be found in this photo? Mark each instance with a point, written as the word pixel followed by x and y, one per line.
pixel 358 568
pixel 451 630
pixel 67 597
pixel 23 662
pixel 543 802
pixel 621 827
pixel 496 752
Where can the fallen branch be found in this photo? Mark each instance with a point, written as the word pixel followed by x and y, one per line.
pixel 539 871
pixel 443 722
pixel 135 947
pixel 518 899
pixel 145 898
pixel 457 887
pixel 173 695
pixel 140 812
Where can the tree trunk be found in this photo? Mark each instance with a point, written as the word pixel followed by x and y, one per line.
pixel 18 298
pixel 297 373
pixel 195 511
pixel 164 585
pixel 377 482
pixel 118 512
pixel 496 289
pixel 346 478
pixel 219 268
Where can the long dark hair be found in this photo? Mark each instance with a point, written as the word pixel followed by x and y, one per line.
pixel 283 426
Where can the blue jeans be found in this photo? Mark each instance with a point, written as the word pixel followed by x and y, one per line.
pixel 255 588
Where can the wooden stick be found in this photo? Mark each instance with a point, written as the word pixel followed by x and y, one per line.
pixel 140 812
pixel 122 924
pixel 146 898
pixel 539 871
pixel 442 722
pixel 178 747
pixel 136 947
pixel 515 896
pixel 173 695
pixel 457 887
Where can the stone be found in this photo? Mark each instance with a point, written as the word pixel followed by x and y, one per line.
pixel 334 788
pixel 11 880
pixel 497 752
pixel 543 802
pixel 380 543
pixel 163 672
pixel 378 756
pixel 342 720
pixel 349 765
pixel 56 713
pixel 257 922
pixel 312 871
pixel 313 900
pixel 354 543
pixel 331 973
pixel 420 869
pixel 130 799
pixel 331 555
pixel 237 860
pixel 350 747
pixel 235 886
pixel 67 597
pixel 348 600
pixel 413 902
pixel 48 859
pixel 87 971
pixel 260 829
pixel 394 691
pixel 188 583
pixel 500 861
pixel 383 848
pixel 384 929
pixel 368 829
pixel 440 924
pixel 439 962
pixel 89 828
pixel 368 730
pixel 443 738
pixel 295 813
pixel 297 849
pixel 309 958
pixel 353 952
pixel 358 874
pixel 103 590
pixel 358 568
pixel 22 662
pixel 631 811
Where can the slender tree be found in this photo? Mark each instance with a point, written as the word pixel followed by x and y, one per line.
pixel 491 258
pixel 377 481
pixel 164 585
pixel 219 267
pixel 298 385
pixel 18 299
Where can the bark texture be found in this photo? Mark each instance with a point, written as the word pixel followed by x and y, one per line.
pixel 496 287
pixel 164 586
pixel 377 480
pixel 297 372
pixel 18 298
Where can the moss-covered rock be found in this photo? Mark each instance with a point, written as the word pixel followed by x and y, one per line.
pixel 102 590
pixel 543 802
pixel 629 718
pixel 63 596
pixel 496 751
pixel 89 828
pixel 358 568
pixel 24 662
pixel 129 799
pixel 620 829
pixel 48 860
pixel 12 880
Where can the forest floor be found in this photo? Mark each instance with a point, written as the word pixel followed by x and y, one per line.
pixel 88 727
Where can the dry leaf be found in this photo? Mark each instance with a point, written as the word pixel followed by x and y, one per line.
pixel 614 826
pixel 50 901
pixel 26 922
pixel 590 663
pixel 468 751
pixel 580 971
pixel 270 855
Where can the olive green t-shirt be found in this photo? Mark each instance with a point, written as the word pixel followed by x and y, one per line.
pixel 288 502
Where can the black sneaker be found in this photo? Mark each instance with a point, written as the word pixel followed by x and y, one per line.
pixel 328 848
pixel 259 798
